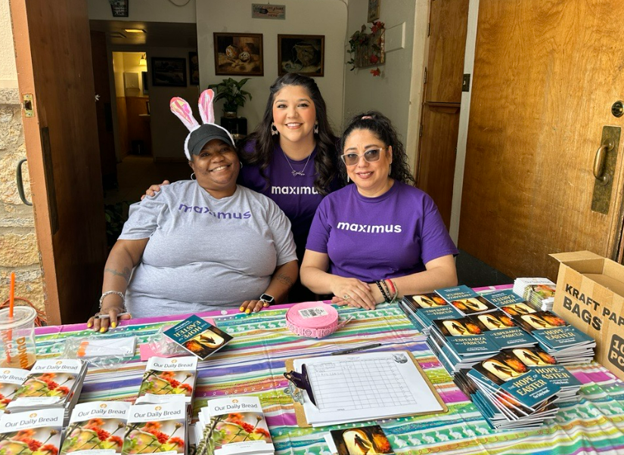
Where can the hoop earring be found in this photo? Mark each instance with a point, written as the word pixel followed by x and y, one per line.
pixel 348 179
pixel 316 129
pixel 193 176
pixel 241 163
pixel 274 131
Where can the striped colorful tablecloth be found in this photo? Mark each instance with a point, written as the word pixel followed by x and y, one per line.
pixel 253 364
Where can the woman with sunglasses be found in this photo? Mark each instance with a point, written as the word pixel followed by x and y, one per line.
pixel 380 238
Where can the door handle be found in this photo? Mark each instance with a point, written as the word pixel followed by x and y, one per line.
pixel 599 161
pixel 20 182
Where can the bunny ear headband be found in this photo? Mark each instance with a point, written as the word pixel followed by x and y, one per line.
pixel 199 134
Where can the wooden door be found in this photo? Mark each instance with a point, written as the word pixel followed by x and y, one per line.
pixel 545 77
pixel 440 115
pixel 53 56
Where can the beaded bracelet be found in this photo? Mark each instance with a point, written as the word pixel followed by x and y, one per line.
pixel 384 294
pixel 120 294
pixel 395 292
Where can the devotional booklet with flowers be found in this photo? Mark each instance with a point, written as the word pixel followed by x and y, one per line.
pixel 52 383
pixel 156 428
pixel 168 378
pixel 36 432
pixel 10 381
pixel 198 337
pixel 96 427
pixel 234 426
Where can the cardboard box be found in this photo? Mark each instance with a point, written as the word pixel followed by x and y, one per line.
pixel 590 296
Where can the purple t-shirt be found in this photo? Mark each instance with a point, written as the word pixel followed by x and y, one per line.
pixel 388 236
pixel 294 194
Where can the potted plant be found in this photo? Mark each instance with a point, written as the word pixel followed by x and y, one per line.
pixel 232 92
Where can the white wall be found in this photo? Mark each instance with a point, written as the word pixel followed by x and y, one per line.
pixel 146 10
pixel 394 93
pixel 8 72
pixel 303 17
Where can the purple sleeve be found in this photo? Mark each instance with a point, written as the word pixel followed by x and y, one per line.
pixel 319 230
pixel 436 241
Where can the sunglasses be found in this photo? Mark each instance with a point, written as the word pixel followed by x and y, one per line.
pixel 351 159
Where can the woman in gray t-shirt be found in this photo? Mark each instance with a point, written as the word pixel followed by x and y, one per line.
pixel 199 245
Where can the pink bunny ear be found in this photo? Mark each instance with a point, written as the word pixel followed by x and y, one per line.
pixel 206 109
pixel 183 111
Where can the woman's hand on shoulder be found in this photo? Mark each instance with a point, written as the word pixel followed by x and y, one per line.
pixel 252 306
pixel 352 292
pixel 152 190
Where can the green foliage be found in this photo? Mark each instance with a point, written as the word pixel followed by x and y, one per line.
pixel 232 92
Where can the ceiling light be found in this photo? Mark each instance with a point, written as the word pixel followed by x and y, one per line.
pixel 134 30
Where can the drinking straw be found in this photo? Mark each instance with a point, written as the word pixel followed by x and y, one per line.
pixel 11 305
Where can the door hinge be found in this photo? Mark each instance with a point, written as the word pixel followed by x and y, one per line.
pixel 420 133
pixel 425 76
pixel 429 29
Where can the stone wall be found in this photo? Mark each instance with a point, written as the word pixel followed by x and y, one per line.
pixel 18 240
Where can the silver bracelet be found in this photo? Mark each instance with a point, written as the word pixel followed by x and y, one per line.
pixel 120 294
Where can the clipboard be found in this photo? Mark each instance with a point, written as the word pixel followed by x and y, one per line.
pixel 298 401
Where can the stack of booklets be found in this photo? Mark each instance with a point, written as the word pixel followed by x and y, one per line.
pixel 518 388
pixel 538 291
pixel 564 342
pixel 52 383
pixel 11 379
pixel 168 379
pixel 156 428
pixel 36 431
pixel 462 342
pixel 233 426
pixel 97 428
pixel 423 309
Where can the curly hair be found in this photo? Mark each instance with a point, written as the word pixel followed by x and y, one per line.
pixel 326 160
pixel 382 128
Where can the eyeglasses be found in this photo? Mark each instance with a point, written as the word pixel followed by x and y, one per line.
pixel 351 159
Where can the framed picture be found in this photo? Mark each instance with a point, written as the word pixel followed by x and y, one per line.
pixel 238 54
pixel 193 68
pixel 373 10
pixel 169 72
pixel 304 54
pixel 264 11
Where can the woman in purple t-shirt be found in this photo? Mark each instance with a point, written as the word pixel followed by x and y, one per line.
pixel 292 157
pixel 380 238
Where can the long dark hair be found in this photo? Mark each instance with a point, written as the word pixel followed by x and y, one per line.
pixel 326 160
pixel 382 128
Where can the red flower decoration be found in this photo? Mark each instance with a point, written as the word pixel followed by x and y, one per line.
pixel 263 432
pixel 234 417
pixel 373 59
pixel 33 444
pixel 23 435
pixel 117 440
pixel 249 428
pixel 102 434
pixel 376 72
pixel 186 387
pixel 151 426
pixel 51 384
pixel 50 448
pixel 47 376
pixel 64 390
pixel 178 441
pixel 93 424
pixel 162 437
pixel 174 383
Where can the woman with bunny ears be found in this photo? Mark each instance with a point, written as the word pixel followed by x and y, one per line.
pixel 200 244
pixel 380 238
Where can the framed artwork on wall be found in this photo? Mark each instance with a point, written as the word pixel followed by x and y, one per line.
pixel 373 10
pixel 303 54
pixel 169 72
pixel 193 68
pixel 238 54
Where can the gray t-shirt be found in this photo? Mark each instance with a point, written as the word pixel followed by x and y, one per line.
pixel 204 253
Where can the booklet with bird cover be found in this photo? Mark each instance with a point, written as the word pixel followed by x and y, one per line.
pixel 358 441
pixel 198 337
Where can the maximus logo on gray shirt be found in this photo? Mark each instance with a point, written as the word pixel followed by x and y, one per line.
pixel 293 190
pixel 222 215
pixel 370 228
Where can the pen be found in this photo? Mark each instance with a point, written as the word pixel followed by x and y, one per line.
pixel 360 348
pixel 106 316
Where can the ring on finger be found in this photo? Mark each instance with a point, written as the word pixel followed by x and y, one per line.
pixel 346 297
